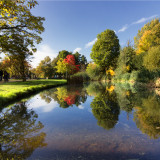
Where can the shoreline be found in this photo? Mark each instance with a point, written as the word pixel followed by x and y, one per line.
pixel 26 89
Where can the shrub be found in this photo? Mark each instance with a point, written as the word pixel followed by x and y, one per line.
pixel 94 71
pixel 79 77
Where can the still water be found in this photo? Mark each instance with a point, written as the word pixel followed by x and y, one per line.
pixel 90 122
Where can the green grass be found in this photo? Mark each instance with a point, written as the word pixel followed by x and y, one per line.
pixel 11 91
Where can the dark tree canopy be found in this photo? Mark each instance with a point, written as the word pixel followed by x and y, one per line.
pixel 105 51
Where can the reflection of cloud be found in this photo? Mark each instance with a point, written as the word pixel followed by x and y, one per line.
pixel 81 107
pixel 38 103
pixel 42 52
pixel 89 44
pixel 77 50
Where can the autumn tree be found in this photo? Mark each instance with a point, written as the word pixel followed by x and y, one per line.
pixel 105 51
pixel 148 36
pixel 20 29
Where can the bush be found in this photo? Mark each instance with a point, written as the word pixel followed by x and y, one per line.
pixel 94 72
pixel 79 77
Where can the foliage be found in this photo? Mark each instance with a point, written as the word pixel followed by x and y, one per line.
pixel 94 71
pixel 148 36
pixel 106 110
pixel 20 132
pixel 105 51
pixel 65 96
pixel 63 54
pixel 152 59
pixel 147 117
pixel 79 77
pixel 61 66
pixel 19 30
pixel 46 68
pixel 126 60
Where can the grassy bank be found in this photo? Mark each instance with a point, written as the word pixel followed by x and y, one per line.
pixel 12 91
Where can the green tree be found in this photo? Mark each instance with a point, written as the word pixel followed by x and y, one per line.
pixel 77 58
pixel 63 54
pixel 46 67
pixel 126 60
pixel 20 29
pixel 94 71
pixel 151 60
pixel 105 51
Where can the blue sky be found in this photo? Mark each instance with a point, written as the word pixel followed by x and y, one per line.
pixel 74 25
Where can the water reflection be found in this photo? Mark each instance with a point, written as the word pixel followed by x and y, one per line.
pixel 19 132
pixel 66 96
pixel 124 114
pixel 109 100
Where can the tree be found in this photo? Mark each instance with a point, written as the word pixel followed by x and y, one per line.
pixel 126 60
pixel 20 29
pixel 63 54
pixel 94 71
pixel 46 67
pixel 148 36
pixel 61 66
pixel 77 58
pixel 105 51
pixel 20 132
pixel 151 60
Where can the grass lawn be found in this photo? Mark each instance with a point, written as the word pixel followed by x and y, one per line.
pixel 11 91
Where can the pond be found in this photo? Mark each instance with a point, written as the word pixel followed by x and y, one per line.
pixel 93 121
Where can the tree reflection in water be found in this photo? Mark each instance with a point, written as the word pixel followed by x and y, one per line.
pixel 66 96
pixel 19 132
pixel 107 102
pixel 147 116
pixel 104 105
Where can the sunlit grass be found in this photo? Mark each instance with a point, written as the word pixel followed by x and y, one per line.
pixel 13 90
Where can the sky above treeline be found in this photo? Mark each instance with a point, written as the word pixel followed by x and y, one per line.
pixel 74 25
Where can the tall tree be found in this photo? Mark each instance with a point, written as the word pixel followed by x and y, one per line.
pixel 46 67
pixel 63 54
pixel 105 51
pixel 20 29
pixel 148 36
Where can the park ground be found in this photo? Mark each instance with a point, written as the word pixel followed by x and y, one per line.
pixel 13 90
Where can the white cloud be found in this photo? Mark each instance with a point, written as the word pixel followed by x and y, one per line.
pixel 81 107
pixel 123 28
pixel 43 51
pixel 89 44
pixel 77 50
pixel 142 20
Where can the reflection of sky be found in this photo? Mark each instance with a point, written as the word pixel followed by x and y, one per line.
pixel 74 130
pixel 38 104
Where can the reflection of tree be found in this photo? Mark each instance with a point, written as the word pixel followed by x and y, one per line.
pixel 147 117
pixel 124 97
pixel 66 96
pixel 19 132
pixel 105 109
